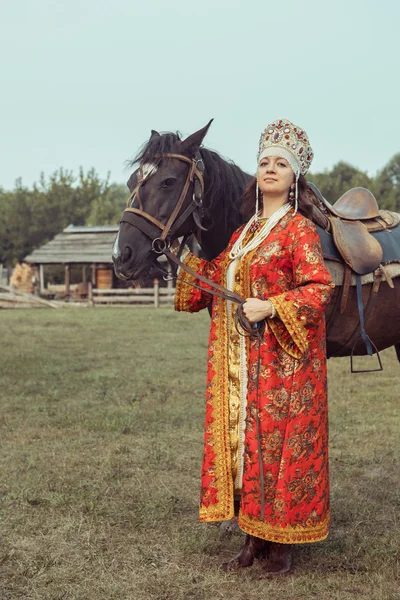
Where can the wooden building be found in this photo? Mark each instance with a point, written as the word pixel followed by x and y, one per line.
pixel 89 248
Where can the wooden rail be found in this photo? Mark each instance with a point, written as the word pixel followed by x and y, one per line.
pixel 12 295
pixel 136 296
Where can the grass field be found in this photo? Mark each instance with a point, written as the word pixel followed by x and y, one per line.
pixel 101 441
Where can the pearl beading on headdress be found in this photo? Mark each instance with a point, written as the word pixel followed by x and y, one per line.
pixel 284 134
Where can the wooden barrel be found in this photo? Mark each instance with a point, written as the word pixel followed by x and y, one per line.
pixel 104 279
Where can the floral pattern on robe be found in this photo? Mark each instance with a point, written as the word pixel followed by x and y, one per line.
pixel 288 269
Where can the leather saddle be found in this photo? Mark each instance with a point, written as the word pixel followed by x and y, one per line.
pixel 350 221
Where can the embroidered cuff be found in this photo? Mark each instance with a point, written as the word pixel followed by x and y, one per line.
pixel 184 290
pixel 293 337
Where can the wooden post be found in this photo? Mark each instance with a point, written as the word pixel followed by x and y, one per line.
pixel 67 280
pixel 94 275
pixel 84 286
pixel 41 279
pixel 156 294
pixel 90 294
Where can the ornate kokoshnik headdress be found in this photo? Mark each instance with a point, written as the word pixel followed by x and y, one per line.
pixel 282 139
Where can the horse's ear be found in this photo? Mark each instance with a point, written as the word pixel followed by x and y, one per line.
pixel 194 141
pixel 154 134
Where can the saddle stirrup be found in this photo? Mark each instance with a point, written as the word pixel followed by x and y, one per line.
pixel 369 344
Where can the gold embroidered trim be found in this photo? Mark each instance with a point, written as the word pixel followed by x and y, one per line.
pixel 218 399
pixel 288 314
pixel 219 392
pixel 284 535
pixel 235 375
pixel 184 289
pixel 244 353
pixel 245 292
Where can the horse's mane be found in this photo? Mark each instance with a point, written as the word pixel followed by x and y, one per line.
pixel 224 180
pixel 158 144
pixel 225 183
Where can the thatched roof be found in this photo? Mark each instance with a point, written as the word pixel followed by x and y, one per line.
pixel 77 245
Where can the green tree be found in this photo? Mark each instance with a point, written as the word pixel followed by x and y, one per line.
pixel 333 184
pixel 107 208
pixel 17 222
pixel 69 199
pixel 387 185
pixel 30 218
pixel 6 242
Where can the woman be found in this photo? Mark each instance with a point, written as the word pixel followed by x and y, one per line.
pixel 277 409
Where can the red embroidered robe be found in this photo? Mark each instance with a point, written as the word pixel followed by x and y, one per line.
pixel 288 268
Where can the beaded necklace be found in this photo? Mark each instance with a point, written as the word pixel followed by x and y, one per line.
pixel 238 250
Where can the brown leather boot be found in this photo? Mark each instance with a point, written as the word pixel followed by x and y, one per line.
pixel 252 548
pixel 280 560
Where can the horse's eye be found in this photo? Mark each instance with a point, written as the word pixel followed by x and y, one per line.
pixel 168 182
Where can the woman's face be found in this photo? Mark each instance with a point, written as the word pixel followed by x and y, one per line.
pixel 275 176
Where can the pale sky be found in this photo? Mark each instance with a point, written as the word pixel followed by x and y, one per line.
pixel 83 82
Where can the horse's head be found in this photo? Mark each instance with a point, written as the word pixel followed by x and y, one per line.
pixel 168 180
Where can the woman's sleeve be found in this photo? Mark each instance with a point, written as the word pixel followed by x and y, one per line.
pixel 300 309
pixel 189 298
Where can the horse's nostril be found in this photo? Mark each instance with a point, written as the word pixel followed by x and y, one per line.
pixel 127 254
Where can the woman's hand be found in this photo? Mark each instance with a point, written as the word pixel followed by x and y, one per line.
pixel 256 310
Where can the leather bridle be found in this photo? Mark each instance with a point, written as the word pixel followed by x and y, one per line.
pixel 159 233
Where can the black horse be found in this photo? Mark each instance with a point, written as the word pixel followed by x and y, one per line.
pixel 223 187
pixel 224 183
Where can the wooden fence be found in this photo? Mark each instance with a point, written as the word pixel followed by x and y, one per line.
pixel 11 297
pixel 154 296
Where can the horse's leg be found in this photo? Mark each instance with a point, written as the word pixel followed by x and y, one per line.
pixel 397 347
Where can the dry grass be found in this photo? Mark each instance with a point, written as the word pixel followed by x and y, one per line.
pixel 101 437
